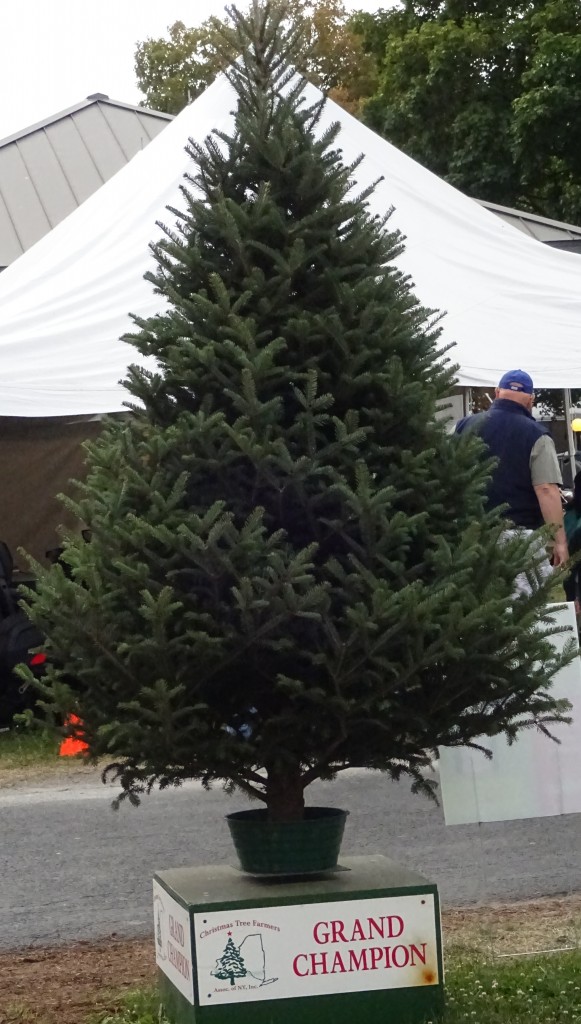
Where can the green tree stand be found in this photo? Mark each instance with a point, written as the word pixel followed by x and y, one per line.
pixel 359 944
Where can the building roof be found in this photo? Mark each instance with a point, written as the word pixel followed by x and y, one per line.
pixel 551 232
pixel 49 169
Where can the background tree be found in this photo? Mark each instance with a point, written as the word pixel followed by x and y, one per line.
pixel 172 72
pixel 547 110
pixel 290 572
pixel 485 94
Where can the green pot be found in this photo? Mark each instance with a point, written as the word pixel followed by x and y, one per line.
pixel 288 848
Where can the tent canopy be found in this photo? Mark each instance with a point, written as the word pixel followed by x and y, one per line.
pixel 509 300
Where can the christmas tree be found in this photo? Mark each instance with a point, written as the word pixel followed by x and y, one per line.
pixel 230 965
pixel 291 571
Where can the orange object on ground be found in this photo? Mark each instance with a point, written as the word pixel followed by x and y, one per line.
pixel 71 745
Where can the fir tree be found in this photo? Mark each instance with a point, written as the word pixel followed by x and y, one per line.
pixel 291 571
pixel 230 965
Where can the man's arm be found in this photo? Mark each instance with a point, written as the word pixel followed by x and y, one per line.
pixel 546 476
pixel 549 498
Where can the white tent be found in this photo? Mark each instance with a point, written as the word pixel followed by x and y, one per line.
pixel 509 300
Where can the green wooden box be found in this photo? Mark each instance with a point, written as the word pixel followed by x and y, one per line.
pixel 360 944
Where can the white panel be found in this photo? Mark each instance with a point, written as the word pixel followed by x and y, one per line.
pixel 534 777
pixel 173 941
pixel 450 409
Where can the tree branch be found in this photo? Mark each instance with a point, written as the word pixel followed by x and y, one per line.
pixel 247 788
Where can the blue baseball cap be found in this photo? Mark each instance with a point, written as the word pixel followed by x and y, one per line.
pixel 517 380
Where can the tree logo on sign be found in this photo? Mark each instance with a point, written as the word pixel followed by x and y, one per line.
pixel 230 965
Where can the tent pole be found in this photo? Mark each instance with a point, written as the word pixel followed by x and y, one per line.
pixel 570 437
pixel 467 400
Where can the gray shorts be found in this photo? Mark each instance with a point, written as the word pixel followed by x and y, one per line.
pixel 525 582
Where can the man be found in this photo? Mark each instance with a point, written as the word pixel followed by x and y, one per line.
pixel 572 521
pixel 527 475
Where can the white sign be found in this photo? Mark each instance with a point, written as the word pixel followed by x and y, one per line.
pixel 316 949
pixel 173 941
pixel 534 776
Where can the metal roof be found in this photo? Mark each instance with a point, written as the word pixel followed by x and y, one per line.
pixel 551 232
pixel 49 169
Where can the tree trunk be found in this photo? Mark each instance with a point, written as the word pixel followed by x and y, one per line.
pixel 285 798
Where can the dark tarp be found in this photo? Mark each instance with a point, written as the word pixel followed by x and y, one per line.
pixel 38 458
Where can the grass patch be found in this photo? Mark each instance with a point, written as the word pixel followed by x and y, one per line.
pixel 140 1007
pixel 20 1013
pixel 24 748
pixel 531 990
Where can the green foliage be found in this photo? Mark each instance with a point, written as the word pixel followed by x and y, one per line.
pixel 543 989
pixel 546 112
pixel 486 94
pixel 171 72
pixel 291 572
pixel 139 1007
pixel 27 748
pixel 551 401
pixel 515 991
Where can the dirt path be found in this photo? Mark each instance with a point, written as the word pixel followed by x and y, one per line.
pixel 66 771
pixel 68 985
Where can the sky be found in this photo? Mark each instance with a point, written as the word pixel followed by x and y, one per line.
pixel 55 53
